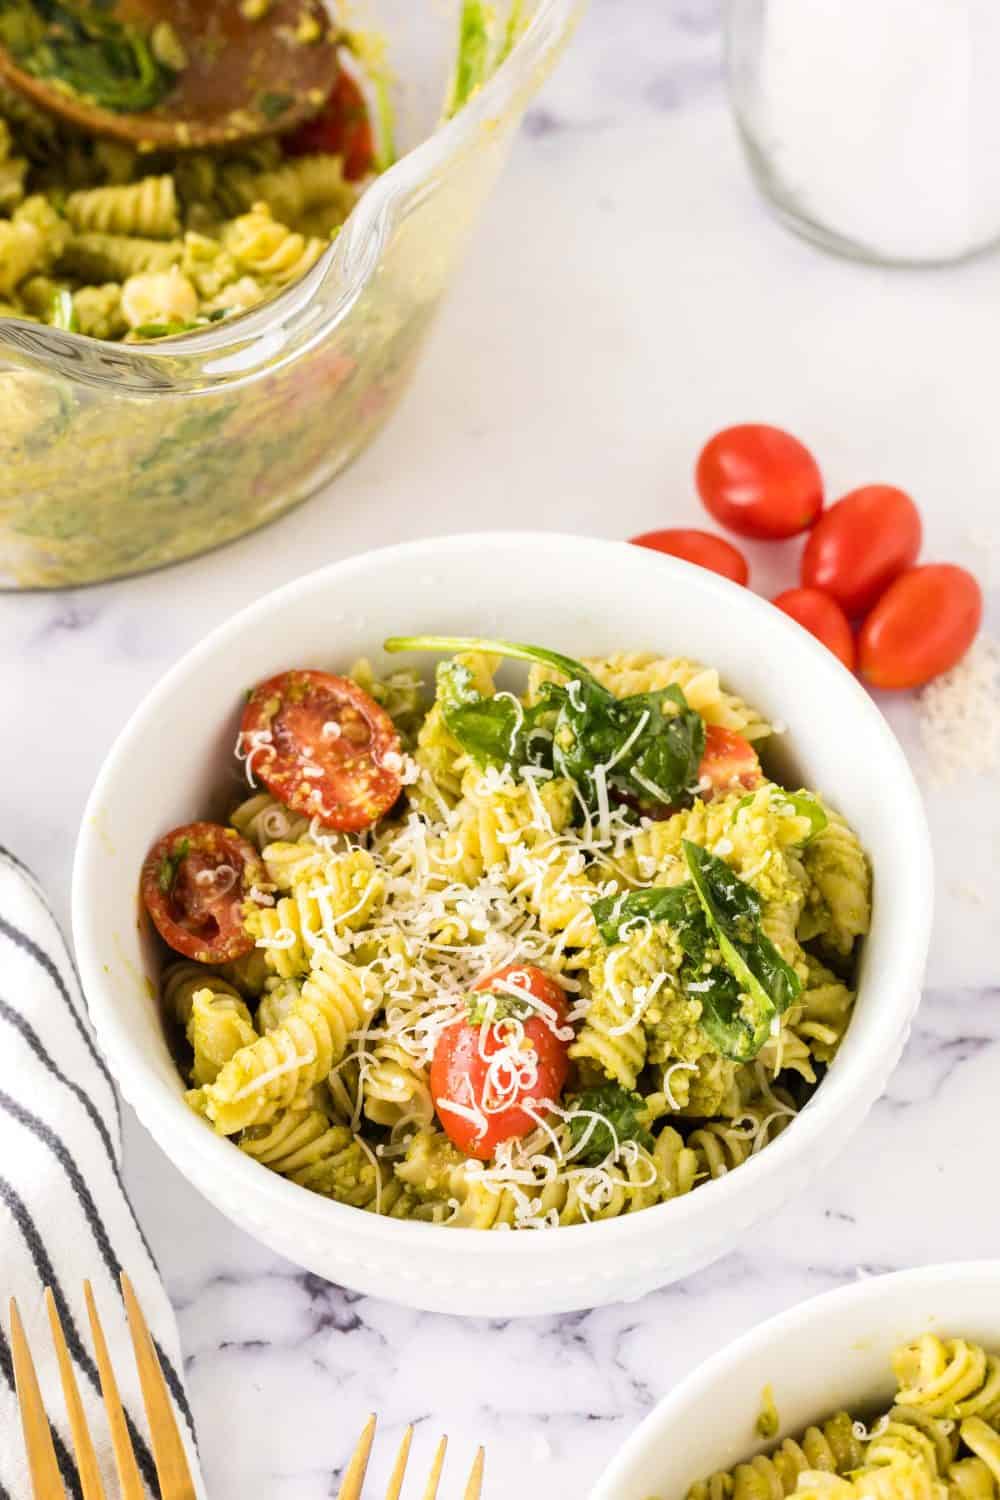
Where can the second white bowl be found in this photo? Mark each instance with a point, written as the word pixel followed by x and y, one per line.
pixel 829 1353
pixel 173 763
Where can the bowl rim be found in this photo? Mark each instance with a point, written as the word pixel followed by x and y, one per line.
pixel 187 361
pixel 805 1314
pixel 167 1117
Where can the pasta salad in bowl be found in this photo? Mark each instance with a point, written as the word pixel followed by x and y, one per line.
pixel 903 1405
pixel 500 936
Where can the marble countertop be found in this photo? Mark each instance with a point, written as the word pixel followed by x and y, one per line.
pixel 627 295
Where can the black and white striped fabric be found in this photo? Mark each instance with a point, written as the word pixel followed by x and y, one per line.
pixel 64 1213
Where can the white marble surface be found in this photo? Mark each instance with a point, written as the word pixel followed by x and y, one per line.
pixel 627 296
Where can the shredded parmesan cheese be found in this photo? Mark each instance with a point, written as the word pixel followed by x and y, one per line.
pixel 960 716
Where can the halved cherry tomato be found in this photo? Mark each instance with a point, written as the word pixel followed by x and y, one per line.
pixel 322 746
pixel 700 547
pixel 861 544
pixel 484 1073
pixel 823 618
pixel 729 761
pixel 759 482
pixel 196 882
pixel 923 624
pixel 342 128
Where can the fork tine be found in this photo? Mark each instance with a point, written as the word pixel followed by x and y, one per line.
pixel 399 1471
pixel 86 1459
pixel 131 1484
pixel 434 1478
pixel 354 1475
pixel 46 1481
pixel 168 1451
pixel 474 1488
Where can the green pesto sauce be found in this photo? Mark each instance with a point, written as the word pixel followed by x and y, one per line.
pixel 767 1419
pixel 82 47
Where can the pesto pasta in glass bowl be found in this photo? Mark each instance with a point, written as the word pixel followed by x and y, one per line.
pixel 902 1404
pixel 191 343
pixel 581 949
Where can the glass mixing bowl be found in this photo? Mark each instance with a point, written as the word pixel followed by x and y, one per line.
pixel 119 458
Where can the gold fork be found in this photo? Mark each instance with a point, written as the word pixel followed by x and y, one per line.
pixel 168 1451
pixel 353 1481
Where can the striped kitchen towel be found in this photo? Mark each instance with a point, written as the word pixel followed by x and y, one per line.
pixel 64 1213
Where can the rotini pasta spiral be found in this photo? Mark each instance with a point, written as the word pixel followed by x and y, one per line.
pixel 147 208
pixel 180 983
pixel 304 1146
pixel 636 1010
pixel 267 249
pixel 218 1027
pixel 329 895
pixel 96 256
pixel 22 251
pixel 275 1071
pixel 948 1378
pixel 98 311
pixel 396 1087
pixel 838 904
pixel 262 820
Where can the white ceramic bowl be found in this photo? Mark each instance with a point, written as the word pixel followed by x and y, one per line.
pixel 830 1352
pixel 173 761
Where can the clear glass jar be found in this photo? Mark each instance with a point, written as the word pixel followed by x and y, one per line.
pixel 118 458
pixel 873 126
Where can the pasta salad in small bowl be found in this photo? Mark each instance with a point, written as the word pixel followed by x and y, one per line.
pixel 564 940
pixel 903 1402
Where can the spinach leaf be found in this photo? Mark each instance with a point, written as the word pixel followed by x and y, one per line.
pixel 649 745
pixel 646 749
pixel 87 49
pixel 703 976
pixel 615 915
pixel 622 1118
pixel 495 731
pixel 804 804
pixel 766 985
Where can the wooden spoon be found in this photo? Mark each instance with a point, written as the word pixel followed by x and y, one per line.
pixel 238 77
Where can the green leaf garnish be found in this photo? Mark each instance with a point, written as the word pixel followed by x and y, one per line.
pixel 85 48
pixel 496 731
pixel 622 1118
pixel 644 750
pixel 739 1024
pixel 617 915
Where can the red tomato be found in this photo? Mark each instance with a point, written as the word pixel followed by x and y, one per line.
pixel 759 481
pixel 342 128
pixel 823 618
pixel 923 624
pixel 861 544
pixel 195 884
pixel 729 761
pixel 321 745
pixel 700 547
pixel 491 1070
